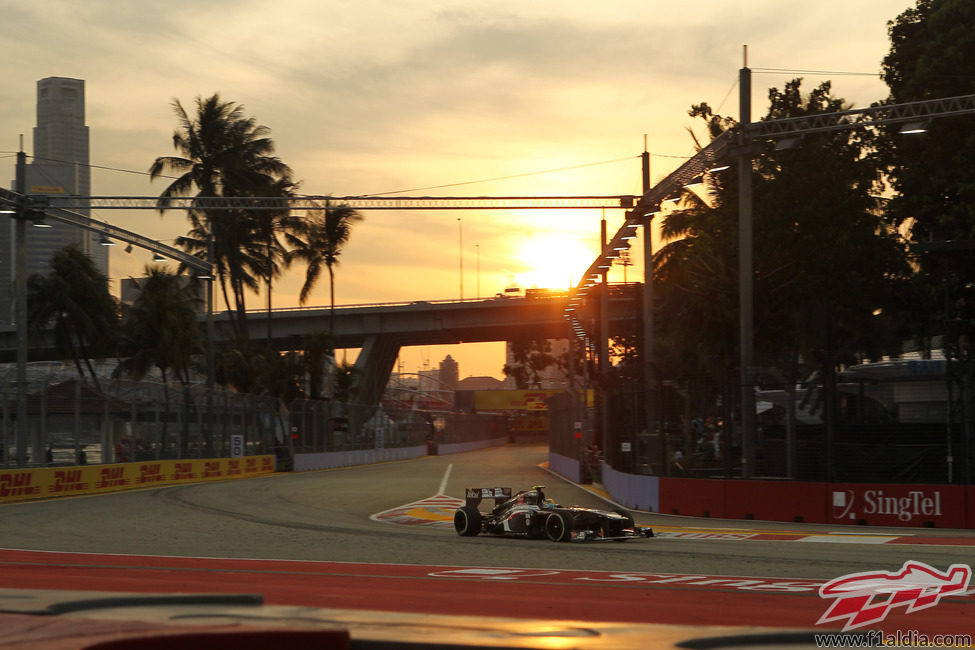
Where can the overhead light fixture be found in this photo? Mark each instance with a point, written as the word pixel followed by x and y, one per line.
pixel 105 241
pixel 718 168
pixel 786 144
pixel 697 181
pixel 40 223
pixel 633 224
pixel 158 258
pixel 7 211
pixel 919 126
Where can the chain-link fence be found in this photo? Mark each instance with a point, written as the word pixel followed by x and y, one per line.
pixel 324 426
pixel 74 421
pixel 899 425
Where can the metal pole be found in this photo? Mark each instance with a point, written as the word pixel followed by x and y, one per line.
pixel 20 307
pixel 211 362
pixel 604 352
pixel 460 253
pixel 649 377
pixel 746 276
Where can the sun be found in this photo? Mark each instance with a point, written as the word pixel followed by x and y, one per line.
pixel 552 261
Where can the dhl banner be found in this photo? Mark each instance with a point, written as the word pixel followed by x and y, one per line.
pixel 46 482
pixel 507 400
pixel 529 423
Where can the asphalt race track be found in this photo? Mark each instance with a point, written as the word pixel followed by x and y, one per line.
pixel 373 537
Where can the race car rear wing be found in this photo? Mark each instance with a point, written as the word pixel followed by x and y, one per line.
pixel 499 494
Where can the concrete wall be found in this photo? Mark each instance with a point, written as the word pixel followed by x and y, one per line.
pixel 570 468
pixel 636 491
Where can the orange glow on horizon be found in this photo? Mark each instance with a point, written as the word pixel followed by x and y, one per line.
pixel 553 261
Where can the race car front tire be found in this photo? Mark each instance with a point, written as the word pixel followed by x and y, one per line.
pixel 467 521
pixel 557 528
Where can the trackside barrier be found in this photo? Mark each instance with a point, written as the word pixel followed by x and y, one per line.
pixel 772 500
pixel 570 468
pixel 636 491
pixel 458 447
pixel 868 504
pixel 695 497
pixel 46 482
pixel 331 459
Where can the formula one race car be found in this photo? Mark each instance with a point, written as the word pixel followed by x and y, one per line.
pixel 530 514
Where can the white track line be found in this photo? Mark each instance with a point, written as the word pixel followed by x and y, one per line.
pixel 446 477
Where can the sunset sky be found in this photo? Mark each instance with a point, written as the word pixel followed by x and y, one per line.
pixel 367 96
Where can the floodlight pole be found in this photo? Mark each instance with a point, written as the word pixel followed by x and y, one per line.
pixel 604 365
pixel 20 304
pixel 746 275
pixel 649 376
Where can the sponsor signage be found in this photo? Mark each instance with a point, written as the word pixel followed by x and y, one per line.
pixel 512 400
pixel 20 484
pixel 895 505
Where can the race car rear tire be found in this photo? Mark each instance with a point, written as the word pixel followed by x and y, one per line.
pixel 557 528
pixel 467 521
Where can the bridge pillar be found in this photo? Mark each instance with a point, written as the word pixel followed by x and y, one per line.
pixel 372 370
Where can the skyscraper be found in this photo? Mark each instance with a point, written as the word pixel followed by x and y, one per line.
pixel 60 165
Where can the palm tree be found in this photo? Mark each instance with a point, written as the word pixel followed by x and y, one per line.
pixel 270 224
pixel 319 243
pixel 75 297
pixel 318 348
pixel 162 327
pixel 224 154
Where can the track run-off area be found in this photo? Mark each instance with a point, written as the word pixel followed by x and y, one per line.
pixel 380 537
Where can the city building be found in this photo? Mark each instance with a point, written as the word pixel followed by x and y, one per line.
pixel 59 165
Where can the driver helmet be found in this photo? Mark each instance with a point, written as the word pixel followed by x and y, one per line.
pixel 537 489
pixel 548 504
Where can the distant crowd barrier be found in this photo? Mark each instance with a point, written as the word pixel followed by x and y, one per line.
pixel 47 482
pixel 332 459
pixel 866 504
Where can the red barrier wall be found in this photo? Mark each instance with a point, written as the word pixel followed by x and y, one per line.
pixel 776 501
pixel 938 506
pixel 692 497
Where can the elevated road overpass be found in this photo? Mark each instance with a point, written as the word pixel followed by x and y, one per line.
pixel 380 330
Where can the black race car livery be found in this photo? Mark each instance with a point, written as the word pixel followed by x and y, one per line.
pixel 529 514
